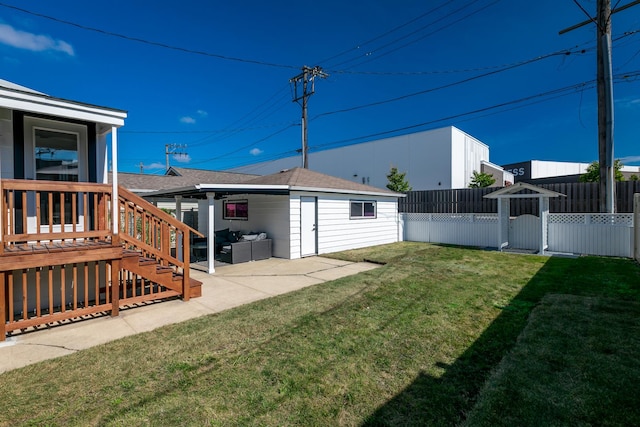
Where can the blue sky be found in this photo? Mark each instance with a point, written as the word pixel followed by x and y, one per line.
pixel 214 75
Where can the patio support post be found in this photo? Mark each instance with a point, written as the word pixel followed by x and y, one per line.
pixel 179 238
pixel 211 235
pixel 115 202
pixel 178 208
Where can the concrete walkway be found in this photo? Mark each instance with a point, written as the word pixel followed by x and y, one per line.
pixel 231 286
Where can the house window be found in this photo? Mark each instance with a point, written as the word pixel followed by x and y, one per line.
pixel 361 209
pixel 56 155
pixel 236 209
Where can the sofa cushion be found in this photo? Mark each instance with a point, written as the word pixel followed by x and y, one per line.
pixel 222 236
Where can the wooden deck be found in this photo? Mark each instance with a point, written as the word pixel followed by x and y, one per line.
pixel 61 257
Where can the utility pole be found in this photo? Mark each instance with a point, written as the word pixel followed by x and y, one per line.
pixel 605 99
pixel 141 168
pixel 174 149
pixel 305 78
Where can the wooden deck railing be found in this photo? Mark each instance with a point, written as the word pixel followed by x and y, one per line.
pixel 45 212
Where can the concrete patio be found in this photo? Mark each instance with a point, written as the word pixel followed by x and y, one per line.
pixel 231 286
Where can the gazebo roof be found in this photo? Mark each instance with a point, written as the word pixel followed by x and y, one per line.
pixel 522 190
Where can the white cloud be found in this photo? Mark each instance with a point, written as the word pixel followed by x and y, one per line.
pixel 34 42
pixel 630 159
pixel 188 120
pixel 182 158
pixel 256 152
pixel 156 165
pixel 202 113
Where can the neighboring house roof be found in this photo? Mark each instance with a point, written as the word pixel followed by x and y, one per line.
pixel 145 183
pixel 16 97
pixel 297 179
pixel 198 176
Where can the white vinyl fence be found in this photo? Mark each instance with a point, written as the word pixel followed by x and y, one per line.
pixel 594 234
pixel 591 234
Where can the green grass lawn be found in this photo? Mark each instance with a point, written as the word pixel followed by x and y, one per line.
pixel 430 338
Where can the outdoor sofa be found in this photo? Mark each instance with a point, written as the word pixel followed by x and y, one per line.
pixel 234 247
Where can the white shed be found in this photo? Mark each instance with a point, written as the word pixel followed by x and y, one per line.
pixel 303 212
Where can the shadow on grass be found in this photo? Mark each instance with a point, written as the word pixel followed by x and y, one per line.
pixel 446 400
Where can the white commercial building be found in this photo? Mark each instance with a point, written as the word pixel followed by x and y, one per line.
pixel 550 171
pixel 442 158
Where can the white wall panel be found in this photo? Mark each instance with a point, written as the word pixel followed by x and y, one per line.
pixel 294 226
pixel 455 229
pixel 337 232
pixel 6 144
pixel 593 234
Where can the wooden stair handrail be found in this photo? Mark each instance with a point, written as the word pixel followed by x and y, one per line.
pixel 134 198
pixel 143 207
pixel 54 186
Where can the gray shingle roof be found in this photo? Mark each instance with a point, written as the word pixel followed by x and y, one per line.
pixel 147 182
pixel 305 178
pixel 197 181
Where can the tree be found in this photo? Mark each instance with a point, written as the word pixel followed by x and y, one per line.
pixel 397 181
pixel 633 177
pixel 481 180
pixel 593 172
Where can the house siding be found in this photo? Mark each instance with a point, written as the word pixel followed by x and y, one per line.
pixel 6 144
pixel 337 232
pixel 294 226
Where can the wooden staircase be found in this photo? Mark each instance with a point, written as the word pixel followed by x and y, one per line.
pixel 152 271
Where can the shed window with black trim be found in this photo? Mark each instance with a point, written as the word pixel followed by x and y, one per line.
pixel 236 209
pixel 362 209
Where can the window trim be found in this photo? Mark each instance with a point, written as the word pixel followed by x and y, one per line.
pixel 238 218
pixel 373 203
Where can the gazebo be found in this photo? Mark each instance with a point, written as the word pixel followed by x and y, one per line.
pixel 522 190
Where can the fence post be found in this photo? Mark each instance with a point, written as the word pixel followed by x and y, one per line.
pixel 636 226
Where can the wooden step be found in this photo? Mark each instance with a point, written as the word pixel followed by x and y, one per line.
pixel 154 272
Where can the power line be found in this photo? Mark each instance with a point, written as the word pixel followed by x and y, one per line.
pixel 148 42
pixel 244 147
pixel 535 99
pixel 371 52
pixel 216 131
pixel 468 69
pixel 624 77
pixel 386 33
pixel 448 85
pixel 371 57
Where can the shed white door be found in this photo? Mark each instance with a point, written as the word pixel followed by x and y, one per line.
pixel 308 226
